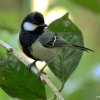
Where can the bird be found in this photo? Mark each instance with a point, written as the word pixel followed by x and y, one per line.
pixel 40 43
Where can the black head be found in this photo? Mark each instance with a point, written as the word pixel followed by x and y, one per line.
pixel 35 18
pixel 33 21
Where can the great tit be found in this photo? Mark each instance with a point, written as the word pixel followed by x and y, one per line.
pixel 40 43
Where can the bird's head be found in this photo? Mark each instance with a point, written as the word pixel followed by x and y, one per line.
pixel 32 21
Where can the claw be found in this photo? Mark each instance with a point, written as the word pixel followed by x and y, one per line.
pixel 31 65
pixel 39 74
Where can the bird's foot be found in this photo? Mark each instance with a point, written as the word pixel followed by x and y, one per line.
pixel 31 65
pixel 41 72
pixel 39 75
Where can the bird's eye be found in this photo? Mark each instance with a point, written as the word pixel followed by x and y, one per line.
pixel 33 21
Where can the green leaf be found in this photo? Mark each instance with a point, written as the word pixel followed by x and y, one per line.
pixel 18 82
pixel 93 5
pixel 68 59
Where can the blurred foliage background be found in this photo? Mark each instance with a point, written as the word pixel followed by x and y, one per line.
pixel 84 83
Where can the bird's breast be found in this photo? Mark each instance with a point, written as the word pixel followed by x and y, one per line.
pixel 43 53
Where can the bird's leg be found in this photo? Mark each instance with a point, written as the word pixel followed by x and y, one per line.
pixel 41 71
pixel 33 64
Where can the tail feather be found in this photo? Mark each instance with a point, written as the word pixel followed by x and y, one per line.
pixel 83 48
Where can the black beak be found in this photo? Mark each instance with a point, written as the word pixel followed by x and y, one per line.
pixel 44 25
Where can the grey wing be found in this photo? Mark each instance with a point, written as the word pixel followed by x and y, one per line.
pixel 50 39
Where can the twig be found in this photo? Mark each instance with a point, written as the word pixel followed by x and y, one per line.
pixel 33 69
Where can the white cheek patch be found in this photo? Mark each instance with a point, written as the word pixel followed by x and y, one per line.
pixel 29 26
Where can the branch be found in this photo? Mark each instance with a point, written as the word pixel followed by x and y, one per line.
pixel 33 69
